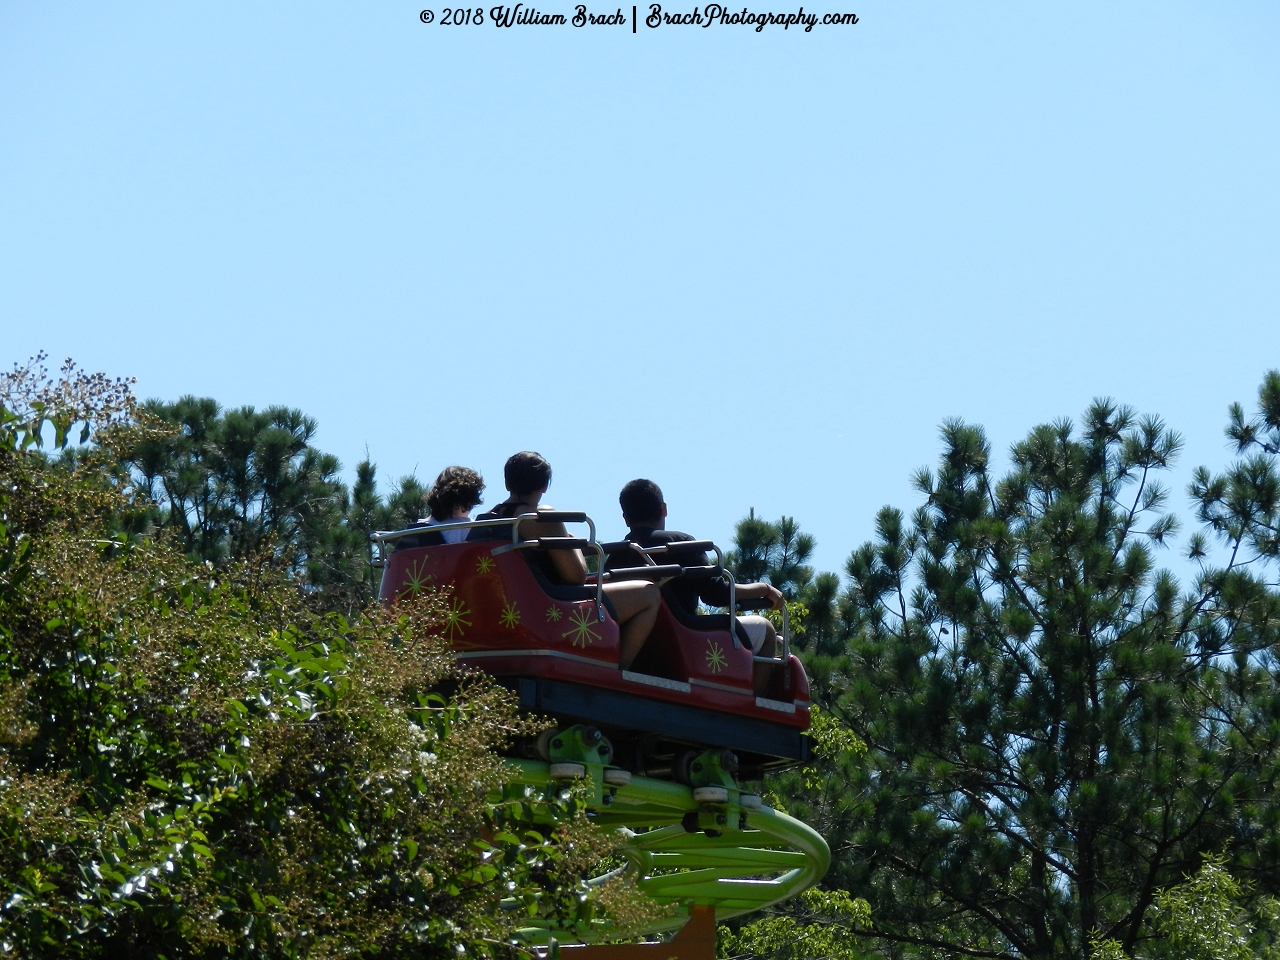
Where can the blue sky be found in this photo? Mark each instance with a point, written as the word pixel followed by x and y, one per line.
pixel 757 268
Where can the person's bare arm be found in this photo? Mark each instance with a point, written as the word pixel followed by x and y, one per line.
pixel 760 591
pixel 569 564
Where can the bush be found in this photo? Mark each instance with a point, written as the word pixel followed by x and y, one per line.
pixel 196 763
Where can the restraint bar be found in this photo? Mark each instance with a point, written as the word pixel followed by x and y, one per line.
pixel 384 537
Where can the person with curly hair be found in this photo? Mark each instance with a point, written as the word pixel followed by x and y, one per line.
pixel 451 498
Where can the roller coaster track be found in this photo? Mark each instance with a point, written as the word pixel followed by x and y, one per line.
pixel 713 851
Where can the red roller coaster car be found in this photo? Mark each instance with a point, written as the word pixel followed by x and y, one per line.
pixel 694 685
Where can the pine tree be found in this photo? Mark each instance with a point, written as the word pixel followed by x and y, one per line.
pixel 1057 729
pixel 754 539
pixel 232 484
pixel 776 553
pixel 823 625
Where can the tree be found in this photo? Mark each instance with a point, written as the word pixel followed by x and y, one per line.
pixel 823 924
pixel 816 928
pixel 231 484
pixel 1057 729
pixel 773 552
pixel 196 762
pixel 754 539
pixel 824 625
pixel 1203 918
pixel 778 553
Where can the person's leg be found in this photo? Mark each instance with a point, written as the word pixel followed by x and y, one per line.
pixel 760 631
pixel 764 643
pixel 770 646
pixel 636 603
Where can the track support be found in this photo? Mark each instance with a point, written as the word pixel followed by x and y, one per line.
pixel 708 847
pixel 696 940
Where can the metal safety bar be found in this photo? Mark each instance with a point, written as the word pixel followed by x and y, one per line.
pixel 733 594
pixel 704 545
pixel 563 516
pixel 383 537
pixel 786 632
pixel 733 604
pixel 650 571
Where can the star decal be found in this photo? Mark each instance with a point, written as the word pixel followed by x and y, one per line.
pixel 415 580
pixel 553 613
pixel 581 631
pixel 510 616
pixel 455 618
pixel 484 565
pixel 715 657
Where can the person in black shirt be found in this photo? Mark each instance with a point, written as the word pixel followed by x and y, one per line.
pixel 645 514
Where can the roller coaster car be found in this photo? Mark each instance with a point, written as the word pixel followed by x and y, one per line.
pixel 695 684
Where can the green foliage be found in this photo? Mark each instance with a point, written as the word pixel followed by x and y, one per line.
pixel 197 761
pixel 818 925
pixel 797 619
pixel 403 506
pixel 777 553
pixel 824 630
pixel 232 484
pixel 1203 918
pixel 832 741
pixel 34 402
pixel 772 552
pixel 1029 735
pixel 1056 729
pixel 240 482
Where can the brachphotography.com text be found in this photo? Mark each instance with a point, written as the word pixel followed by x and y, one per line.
pixel 651 17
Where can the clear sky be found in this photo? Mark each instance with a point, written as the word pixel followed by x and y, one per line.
pixel 758 268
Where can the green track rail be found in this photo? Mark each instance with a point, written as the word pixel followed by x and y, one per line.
pixel 760 856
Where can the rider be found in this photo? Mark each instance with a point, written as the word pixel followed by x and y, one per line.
pixel 645 513
pixel 634 602
pixel 450 500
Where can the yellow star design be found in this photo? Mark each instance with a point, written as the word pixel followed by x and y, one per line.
pixel 510 616
pixel 415 581
pixel 581 631
pixel 484 565
pixel 553 613
pixel 455 618
pixel 715 657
